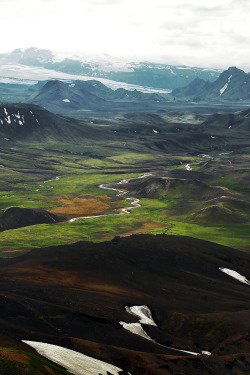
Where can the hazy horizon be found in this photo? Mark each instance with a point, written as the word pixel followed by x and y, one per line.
pixel 213 34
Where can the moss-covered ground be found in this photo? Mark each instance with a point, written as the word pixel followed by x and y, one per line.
pixel 29 179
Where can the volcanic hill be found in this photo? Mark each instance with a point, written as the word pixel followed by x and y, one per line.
pixel 75 296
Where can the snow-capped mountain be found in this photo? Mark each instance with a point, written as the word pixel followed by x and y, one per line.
pixel 232 84
pixel 157 76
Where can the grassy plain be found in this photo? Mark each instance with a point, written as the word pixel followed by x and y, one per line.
pixel 67 183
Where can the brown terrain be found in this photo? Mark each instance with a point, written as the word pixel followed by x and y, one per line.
pixel 84 205
pixel 75 296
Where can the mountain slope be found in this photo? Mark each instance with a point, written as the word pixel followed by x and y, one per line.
pixel 30 123
pixel 62 97
pixel 75 296
pixel 232 84
pixel 57 96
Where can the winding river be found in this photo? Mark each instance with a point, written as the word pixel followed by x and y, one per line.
pixel 135 202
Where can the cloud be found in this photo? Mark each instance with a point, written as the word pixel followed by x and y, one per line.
pixel 210 32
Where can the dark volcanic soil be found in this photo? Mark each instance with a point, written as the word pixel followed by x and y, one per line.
pixel 18 217
pixel 75 296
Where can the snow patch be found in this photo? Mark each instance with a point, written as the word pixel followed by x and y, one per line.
pixel 223 89
pixel 155 131
pixel 66 100
pixel 136 328
pixel 20 122
pixel 235 275
pixel 5 111
pixel 188 167
pixel 75 362
pixel 143 312
pixel 225 86
pixel 8 120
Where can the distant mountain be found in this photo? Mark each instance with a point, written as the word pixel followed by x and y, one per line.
pixel 233 84
pixel 62 97
pixel 138 73
pixel 57 96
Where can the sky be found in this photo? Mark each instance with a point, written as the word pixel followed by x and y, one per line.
pixel 213 33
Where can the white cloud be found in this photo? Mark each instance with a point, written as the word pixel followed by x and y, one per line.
pixel 211 33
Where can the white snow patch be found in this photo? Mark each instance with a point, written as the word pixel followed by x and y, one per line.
pixel 72 85
pixel 137 329
pixel 66 100
pixel 235 275
pixel 213 137
pixel 8 120
pixel 225 86
pixel 188 167
pixel 155 131
pixel 20 122
pixel 1 121
pixel 18 115
pixel 6 139
pixel 223 89
pixel 75 362
pixel 143 312
pixel 5 111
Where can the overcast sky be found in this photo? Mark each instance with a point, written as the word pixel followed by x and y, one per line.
pixel 208 33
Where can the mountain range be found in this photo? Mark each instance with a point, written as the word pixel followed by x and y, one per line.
pixel 144 132
pixel 61 97
pixel 106 67
pixel 232 85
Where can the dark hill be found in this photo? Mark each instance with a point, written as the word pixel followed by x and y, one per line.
pixel 60 97
pixel 31 123
pixel 174 188
pixel 228 123
pixel 17 217
pixel 75 296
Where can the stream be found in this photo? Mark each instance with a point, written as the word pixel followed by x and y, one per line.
pixel 135 202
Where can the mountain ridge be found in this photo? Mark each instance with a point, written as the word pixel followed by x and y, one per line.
pixel 150 74
pixel 232 85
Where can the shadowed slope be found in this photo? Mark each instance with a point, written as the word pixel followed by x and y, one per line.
pixel 75 296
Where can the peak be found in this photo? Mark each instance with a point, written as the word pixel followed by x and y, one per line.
pixel 53 83
pixel 235 69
